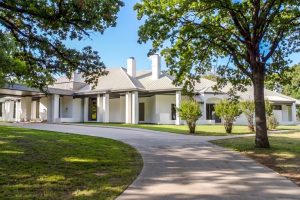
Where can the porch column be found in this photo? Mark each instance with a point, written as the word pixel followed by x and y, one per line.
pixel 56 117
pixel 135 107
pixel 26 108
pixel 99 108
pixel 105 108
pixel 86 109
pixel 18 111
pixel 128 105
pixel 204 110
pixel 294 113
pixel 178 102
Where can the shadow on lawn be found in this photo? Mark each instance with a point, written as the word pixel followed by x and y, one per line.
pixel 48 165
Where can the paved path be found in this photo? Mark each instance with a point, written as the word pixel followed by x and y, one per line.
pixel 188 167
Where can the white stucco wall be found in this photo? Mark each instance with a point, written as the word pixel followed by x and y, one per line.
pixel 43 108
pixel 163 109
pixel 116 110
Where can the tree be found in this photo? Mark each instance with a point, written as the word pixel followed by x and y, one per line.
pixel 189 111
pixel 290 88
pixel 255 36
pixel 228 111
pixel 39 28
pixel 248 108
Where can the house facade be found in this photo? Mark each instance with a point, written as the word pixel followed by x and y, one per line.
pixel 125 95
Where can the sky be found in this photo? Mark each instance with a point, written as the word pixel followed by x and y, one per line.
pixel 119 43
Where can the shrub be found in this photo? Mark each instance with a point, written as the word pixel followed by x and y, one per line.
pixel 248 108
pixel 228 111
pixel 269 109
pixel 190 112
pixel 272 122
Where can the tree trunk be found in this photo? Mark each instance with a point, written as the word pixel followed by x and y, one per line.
pixel 261 138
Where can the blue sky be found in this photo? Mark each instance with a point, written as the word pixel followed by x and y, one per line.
pixel 120 42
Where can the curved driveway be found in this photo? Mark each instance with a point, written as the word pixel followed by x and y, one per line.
pixel 188 167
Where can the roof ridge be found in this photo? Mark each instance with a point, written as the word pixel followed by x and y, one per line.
pixel 130 78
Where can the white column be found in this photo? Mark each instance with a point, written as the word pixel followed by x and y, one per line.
pixel 178 102
pixel 26 108
pixel 56 108
pixel 99 108
pixel 204 110
pixel 135 107
pixel 294 113
pixel 18 111
pixel 86 109
pixel 105 108
pixel 128 105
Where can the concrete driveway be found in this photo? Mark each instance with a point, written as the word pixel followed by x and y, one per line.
pixel 189 167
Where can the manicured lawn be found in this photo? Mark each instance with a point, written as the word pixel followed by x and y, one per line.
pixel 48 165
pixel 283 156
pixel 210 130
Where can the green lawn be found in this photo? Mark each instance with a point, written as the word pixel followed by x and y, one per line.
pixel 211 130
pixel 283 156
pixel 48 165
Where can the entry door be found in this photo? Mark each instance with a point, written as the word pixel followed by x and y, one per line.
pixel 93 109
pixel 141 112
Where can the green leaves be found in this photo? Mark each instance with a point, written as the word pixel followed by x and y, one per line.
pixel 228 110
pixel 192 34
pixel 40 28
pixel 189 110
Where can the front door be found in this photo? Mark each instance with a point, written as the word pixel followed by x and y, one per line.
pixel 93 109
pixel 141 112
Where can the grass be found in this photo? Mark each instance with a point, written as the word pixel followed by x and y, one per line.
pixel 204 130
pixel 48 165
pixel 283 156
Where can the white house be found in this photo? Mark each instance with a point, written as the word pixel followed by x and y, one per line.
pixel 126 96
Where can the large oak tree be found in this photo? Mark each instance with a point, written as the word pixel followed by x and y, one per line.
pixel 254 36
pixel 34 33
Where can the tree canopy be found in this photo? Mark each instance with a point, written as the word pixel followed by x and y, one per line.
pixel 38 31
pixel 254 36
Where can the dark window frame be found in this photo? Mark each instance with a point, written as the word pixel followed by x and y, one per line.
pixel 173 111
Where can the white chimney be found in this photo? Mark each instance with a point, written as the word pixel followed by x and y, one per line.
pixel 155 58
pixel 131 67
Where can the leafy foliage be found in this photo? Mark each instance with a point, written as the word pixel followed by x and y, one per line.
pixel 39 29
pixel 272 122
pixel 189 111
pixel 228 111
pixel 290 88
pixel 269 108
pixel 248 108
pixel 255 36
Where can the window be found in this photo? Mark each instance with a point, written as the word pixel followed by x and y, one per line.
pixel 277 107
pixel 210 113
pixel 141 112
pixel 93 109
pixel 38 109
pixel 210 110
pixel 173 111
pixel 14 110
pixel 1 110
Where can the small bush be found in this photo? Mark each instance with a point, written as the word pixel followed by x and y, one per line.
pixel 272 122
pixel 248 108
pixel 228 111
pixel 190 112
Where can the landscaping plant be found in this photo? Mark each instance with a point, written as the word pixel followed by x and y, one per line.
pixel 190 111
pixel 272 122
pixel 228 111
pixel 248 108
